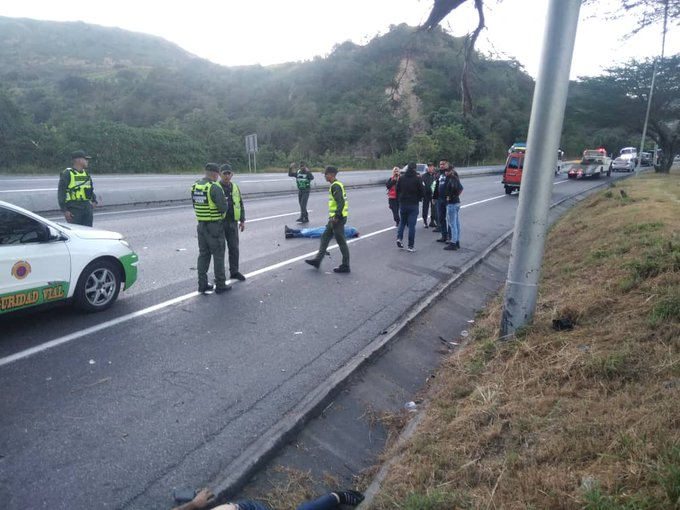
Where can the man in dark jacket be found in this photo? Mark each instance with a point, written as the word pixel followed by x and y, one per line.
pixel 428 179
pixel 303 180
pixel 409 193
pixel 440 197
pixel 452 193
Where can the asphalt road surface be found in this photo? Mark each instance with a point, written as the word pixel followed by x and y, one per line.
pixel 167 388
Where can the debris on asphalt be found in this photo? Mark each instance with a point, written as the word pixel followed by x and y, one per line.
pixel 411 406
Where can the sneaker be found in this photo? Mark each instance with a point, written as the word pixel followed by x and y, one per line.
pixel 206 289
pixel 304 220
pixel 313 262
pixel 442 240
pixel 222 289
pixel 411 249
pixel 287 232
pixel 341 269
pixel 237 276
pixel 450 246
pixel 399 244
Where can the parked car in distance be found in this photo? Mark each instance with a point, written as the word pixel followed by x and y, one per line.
pixel 43 262
pixel 628 153
pixel 623 165
pixel 594 163
pixel 420 168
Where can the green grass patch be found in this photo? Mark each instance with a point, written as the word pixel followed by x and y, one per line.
pixel 667 309
pixel 634 228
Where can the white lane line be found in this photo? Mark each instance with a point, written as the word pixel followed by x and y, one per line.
pixel 25 190
pixel 481 201
pixel 125 318
pixel 188 206
pixel 266 180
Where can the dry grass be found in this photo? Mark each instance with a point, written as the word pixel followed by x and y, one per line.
pixel 586 418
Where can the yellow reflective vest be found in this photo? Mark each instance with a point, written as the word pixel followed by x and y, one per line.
pixel 204 205
pixel 332 204
pixel 79 187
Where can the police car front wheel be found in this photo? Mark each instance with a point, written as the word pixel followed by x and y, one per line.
pixel 98 286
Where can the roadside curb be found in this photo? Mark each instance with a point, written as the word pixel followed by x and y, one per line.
pixel 255 456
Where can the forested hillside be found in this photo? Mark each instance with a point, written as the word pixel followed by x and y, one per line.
pixel 141 104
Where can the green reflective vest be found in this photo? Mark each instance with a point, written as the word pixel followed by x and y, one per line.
pixel 302 180
pixel 204 205
pixel 333 205
pixel 79 187
pixel 236 201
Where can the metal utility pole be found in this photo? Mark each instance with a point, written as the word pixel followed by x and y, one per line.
pixel 651 92
pixel 545 129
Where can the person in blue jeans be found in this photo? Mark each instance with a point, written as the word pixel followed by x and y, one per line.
pixel 204 498
pixel 452 193
pixel 410 192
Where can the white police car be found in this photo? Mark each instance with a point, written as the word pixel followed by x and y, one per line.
pixel 42 262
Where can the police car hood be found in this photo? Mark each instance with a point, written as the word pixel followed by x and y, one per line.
pixel 84 232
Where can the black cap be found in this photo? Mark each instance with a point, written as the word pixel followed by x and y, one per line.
pixel 330 170
pixel 79 154
pixel 212 167
pixel 226 169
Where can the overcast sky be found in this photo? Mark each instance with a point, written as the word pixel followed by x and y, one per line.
pixel 244 32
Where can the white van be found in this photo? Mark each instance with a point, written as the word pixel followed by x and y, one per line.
pixel 628 153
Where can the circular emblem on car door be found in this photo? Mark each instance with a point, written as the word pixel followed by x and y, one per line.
pixel 21 270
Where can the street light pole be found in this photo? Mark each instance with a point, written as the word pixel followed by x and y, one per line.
pixel 545 129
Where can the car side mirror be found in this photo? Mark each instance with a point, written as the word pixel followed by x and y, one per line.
pixel 52 234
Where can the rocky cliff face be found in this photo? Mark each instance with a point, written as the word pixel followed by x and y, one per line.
pixel 404 95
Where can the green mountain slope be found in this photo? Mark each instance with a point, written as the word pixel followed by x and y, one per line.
pixel 143 104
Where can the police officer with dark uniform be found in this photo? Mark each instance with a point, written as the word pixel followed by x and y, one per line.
pixel 337 212
pixel 234 220
pixel 75 192
pixel 303 179
pixel 210 207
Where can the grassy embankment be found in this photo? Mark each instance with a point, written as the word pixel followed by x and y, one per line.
pixel 583 418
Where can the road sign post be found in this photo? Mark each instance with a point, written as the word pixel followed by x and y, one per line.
pixel 251 149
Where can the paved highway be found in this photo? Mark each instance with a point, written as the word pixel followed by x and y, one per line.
pixel 168 387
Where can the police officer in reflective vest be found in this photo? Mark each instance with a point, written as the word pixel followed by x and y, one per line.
pixel 337 212
pixel 234 220
pixel 75 192
pixel 210 207
pixel 303 180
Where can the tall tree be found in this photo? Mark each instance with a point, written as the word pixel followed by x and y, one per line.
pixel 619 98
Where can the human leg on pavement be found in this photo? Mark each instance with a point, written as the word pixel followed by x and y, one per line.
pixel 231 236
pixel 339 233
pixel 402 222
pixel 217 243
pixel 412 220
pixel 426 210
pixel 325 239
pixel 394 207
pixel 441 214
pixel 204 255
pixel 304 198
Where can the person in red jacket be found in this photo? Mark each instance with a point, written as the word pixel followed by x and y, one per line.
pixel 392 200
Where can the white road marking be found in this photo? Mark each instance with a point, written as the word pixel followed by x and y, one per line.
pixel 140 313
pixel 25 190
